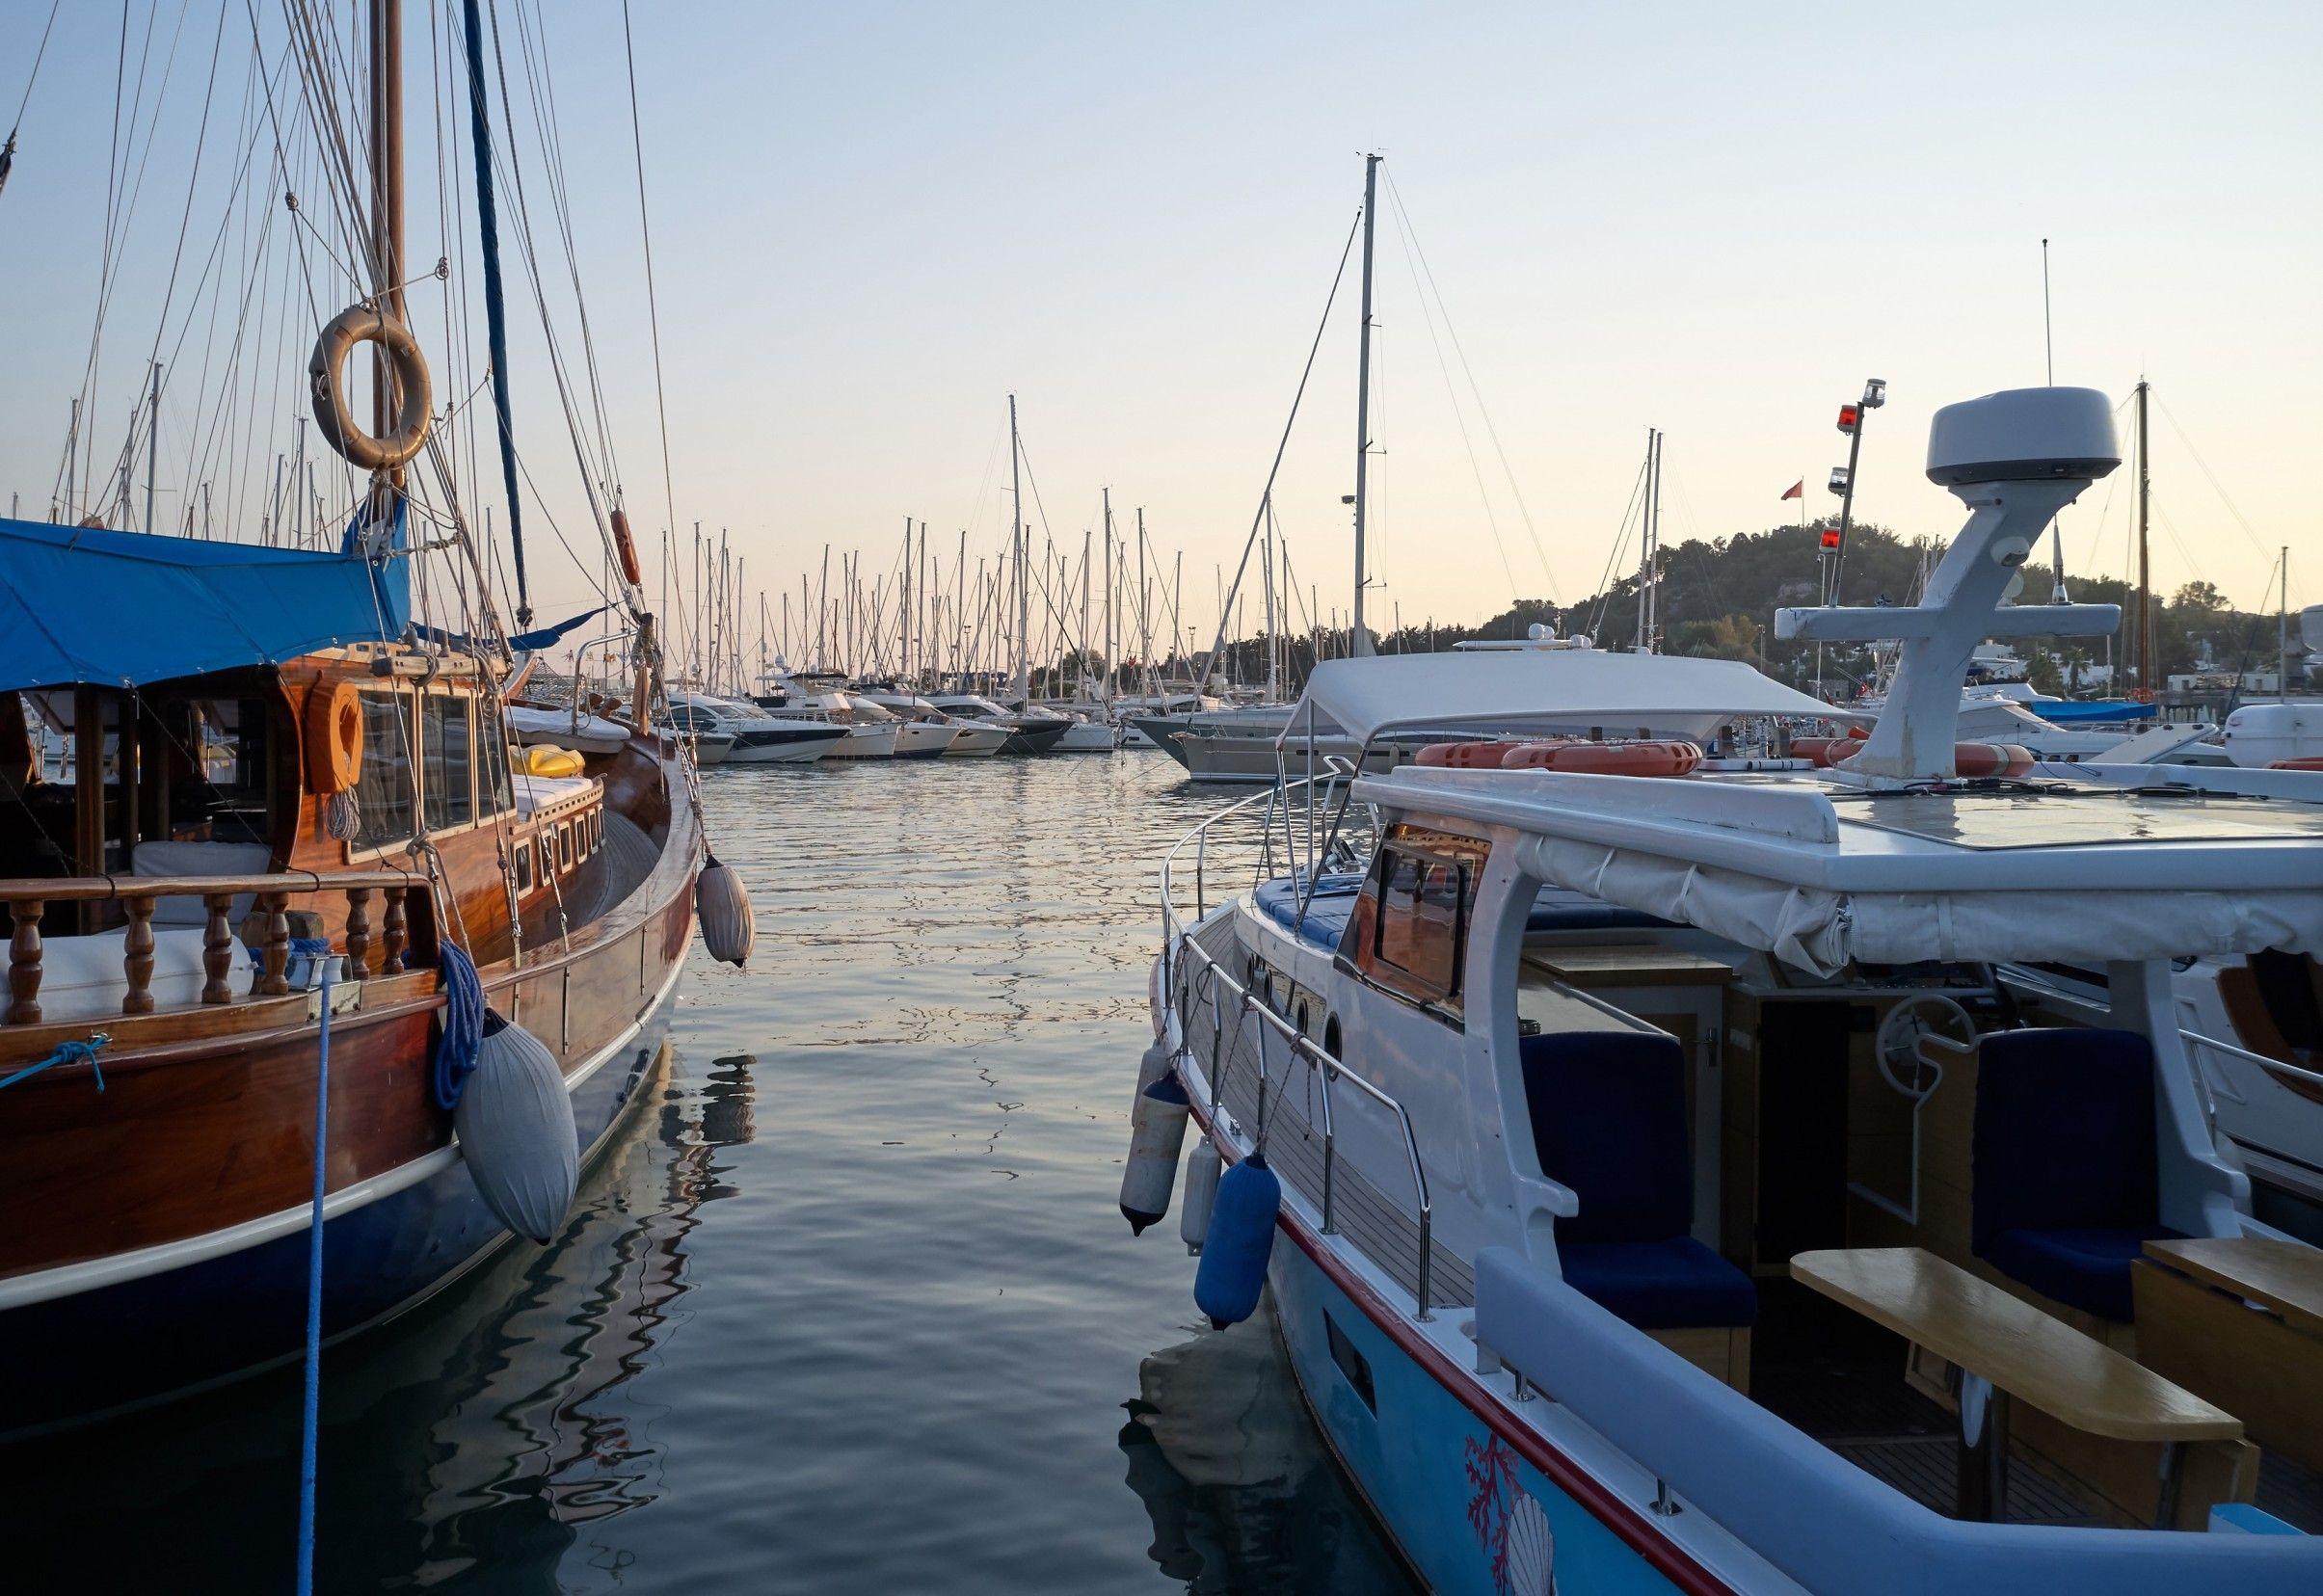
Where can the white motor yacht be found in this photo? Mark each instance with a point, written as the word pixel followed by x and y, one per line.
pixel 1030 730
pixel 1671 1175
pixel 759 738
pixel 931 728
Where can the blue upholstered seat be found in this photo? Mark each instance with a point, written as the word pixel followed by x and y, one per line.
pixel 1328 908
pixel 1609 1121
pixel 2066 1189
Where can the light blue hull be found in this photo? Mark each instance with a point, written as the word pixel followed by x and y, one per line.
pixel 1452 1496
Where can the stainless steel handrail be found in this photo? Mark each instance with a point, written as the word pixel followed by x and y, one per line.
pixel 2275 1066
pixel 1177 942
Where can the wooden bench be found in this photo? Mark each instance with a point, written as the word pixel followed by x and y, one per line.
pixel 2240 1321
pixel 2004 1350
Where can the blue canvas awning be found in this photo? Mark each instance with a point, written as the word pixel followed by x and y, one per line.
pixel 89 605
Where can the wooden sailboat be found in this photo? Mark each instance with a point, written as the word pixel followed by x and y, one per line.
pixel 277 773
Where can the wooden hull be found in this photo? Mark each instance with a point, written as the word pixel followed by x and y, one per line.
pixel 164 1221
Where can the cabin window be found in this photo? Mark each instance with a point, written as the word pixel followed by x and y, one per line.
pixel 564 847
pixel 383 791
pixel 1419 907
pixel 524 866
pixel 450 753
pixel 1409 932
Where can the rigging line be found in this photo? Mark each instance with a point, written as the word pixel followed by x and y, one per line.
pixel 8 151
pixel 652 307
pixel 496 307
pixel 2215 484
pixel 1258 516
pixel 1613 557
pixel 1475 467
pixel 117 209
pixel 1492 432
pixel 552 145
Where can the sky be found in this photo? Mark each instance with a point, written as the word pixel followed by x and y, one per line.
pixel 872 222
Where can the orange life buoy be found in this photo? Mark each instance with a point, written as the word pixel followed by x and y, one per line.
pixel 625 546
pixel 1824 752
pixel 334 737
pixel 1969 759
pixel 1647 757
pixel 1462 755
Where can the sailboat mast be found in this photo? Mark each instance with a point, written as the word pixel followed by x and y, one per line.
pixel 1109 602
pixel 2145 567
pixel 386 195
pixel 1024 587
pixel 1360 644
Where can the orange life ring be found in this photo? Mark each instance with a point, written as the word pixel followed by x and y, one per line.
pixel 1462 755
pixel 334 737
pixel 1969 759
pixel 625 546
pixel 1647 757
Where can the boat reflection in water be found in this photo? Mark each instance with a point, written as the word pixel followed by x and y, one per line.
pixel 1241 1494
pixel 419 1487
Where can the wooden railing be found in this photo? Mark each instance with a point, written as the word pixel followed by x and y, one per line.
pixel 27 900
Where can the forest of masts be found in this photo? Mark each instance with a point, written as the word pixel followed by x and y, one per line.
pixel 926 615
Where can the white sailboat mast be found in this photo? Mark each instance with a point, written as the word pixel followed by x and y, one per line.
pixel 1360 642
pixel 1024 588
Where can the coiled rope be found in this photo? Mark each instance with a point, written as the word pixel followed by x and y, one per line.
pixel 463 1024
pixel 68 1053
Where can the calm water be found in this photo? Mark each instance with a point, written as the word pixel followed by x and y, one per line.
pixel 848 1306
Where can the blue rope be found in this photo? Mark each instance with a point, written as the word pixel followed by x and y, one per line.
pixel 68 1053
pixel 463 1024
pixel 311 1422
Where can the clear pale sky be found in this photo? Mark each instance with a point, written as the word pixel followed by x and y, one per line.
pixel 873 222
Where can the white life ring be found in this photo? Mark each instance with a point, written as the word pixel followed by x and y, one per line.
pixel 361 324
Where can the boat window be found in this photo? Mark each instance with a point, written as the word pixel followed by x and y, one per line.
pixel 1410 926
pixel 1421 899
pixel 218 771
pixel 449 752
pixel 382 789
pixel 524 866
pixel 564 847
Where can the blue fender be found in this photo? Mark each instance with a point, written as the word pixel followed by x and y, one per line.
pixel 1241 1236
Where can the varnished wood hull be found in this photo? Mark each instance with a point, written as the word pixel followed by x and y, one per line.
pixel 161 1225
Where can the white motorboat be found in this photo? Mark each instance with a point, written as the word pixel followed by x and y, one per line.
pixel 1088 734
pixel 1651 1163
pixel 930 733
pixel 1029 730
pixel 759 738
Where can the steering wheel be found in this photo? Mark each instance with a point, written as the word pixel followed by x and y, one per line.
pixel 1897 1046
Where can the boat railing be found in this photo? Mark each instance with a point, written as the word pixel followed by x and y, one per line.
pixel 2272 1066
pixel 28 899
pixel 1178 979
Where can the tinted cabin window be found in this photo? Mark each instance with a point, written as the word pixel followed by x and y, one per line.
pixel 1409 931
pixel 383 788
pixel 221 790
pixel 450 755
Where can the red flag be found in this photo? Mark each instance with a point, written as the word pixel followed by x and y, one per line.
pixel 1795 490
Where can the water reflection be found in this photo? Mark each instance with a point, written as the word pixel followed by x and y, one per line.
pixel 1241 1492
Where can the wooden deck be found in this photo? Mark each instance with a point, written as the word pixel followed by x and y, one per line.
pixel 1384 1228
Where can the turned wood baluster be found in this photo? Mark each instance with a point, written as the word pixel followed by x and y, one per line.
pixel 398 934
pixel 276 980
pixel 358 932
pixel 137 956
pixel 24 965
pixel 218 949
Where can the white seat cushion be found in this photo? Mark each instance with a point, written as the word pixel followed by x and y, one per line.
pixel 200 859
pixel 82 978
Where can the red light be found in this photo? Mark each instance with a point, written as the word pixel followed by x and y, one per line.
pixel 1830 537
pixel 1848 417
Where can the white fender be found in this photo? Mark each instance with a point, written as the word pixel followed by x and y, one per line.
pixel 515 1129
pixel 1201 1189
pixel 1156 1131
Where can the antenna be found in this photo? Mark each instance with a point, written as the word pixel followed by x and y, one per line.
pixel 2048 339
